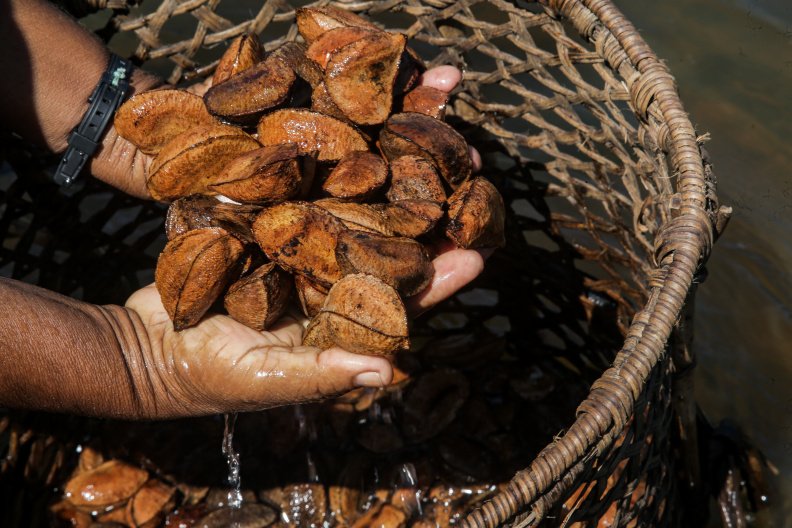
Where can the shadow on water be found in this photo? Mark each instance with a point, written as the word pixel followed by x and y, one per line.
pixel 733 63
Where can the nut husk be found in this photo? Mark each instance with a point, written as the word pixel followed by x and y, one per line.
pixel 415 178
pixel 417 134
pixel 311 296
pixel 107 485
pixel 363 315
pixel 243 52
pixel 197 211
pixel 411 218
pixel 323 103
pixel 266 175
pixel 193 270
pixel 185 165
pixel 148 505
pixel 301 237
pixel 361 217
pixel 245 96
pixel 259 299
pixel 150 120
pixel 357 176
pixel 311 131
pixel 293 54
pixel 313 21
pixel 400 262
pixel 360 76
pixel 426 100
pixel 385 515
pixel 330 41
pixel 476 215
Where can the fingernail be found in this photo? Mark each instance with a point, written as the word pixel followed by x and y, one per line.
pixel 368 379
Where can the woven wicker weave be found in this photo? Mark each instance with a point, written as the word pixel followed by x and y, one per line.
pixel 612 213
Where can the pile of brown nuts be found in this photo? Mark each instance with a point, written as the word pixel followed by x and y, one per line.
pixel 338 202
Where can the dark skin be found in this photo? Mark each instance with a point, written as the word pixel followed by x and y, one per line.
pixel 59 354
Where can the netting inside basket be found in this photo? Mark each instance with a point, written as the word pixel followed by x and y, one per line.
pixel 587 185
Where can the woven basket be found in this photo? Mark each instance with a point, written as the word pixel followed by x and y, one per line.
pixel 611 213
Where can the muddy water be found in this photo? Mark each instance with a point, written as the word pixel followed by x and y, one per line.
pixel 733 63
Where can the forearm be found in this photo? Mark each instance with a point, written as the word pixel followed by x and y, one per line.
pixel 50 66
pixel 63 355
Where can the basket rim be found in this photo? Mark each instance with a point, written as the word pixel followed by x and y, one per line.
pixel 682 244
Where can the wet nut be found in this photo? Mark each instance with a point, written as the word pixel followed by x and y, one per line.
pixel 193 270
pixel 147 506
pixel 249 515
pixel 382 515
pixel 411 68
pixel 417 134
pixel 246 95
pixel 363 315
pixel 476 215
pixel 360 217
pixel 415 178
pixel 311 131
pixel 243 52
pixel 426 100
pixel 311 297
pixel 312 22
pixel 107 485
pixel 266 175
pixel 187 163
pixel 433 404
pixel 322 102
pixel 259 299
pixel 293 54
pixel 329 42
pixel 304 504
pixel 197 211
pixel 301 237
pixel 400 262
pixel 411 218
pixel 150 120
pixel 360 76
pixel 357 176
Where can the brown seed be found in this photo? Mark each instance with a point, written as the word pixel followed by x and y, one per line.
pixel 311 296
pixel 311 131
pixel 382 515
pixel 259 299
pixel 330 41
pixel 347 493
pixel 313 21
pixel 243 52
pixel 293 54
pixel 197 211
pixel 415 178
pixel 360 76
pixel 248 94
pixel 150 120
pixel 411 218
pixel 361 217
pixel 185 165
pixel 266 175
pixel 323 103
pixel 357 176
pixel 150 503
pixel 193 270
pixel 420 135
pixel 249 515
pixel 410 69
pixel 400 262
pixel 69 515
pixel 363 315
pixel 426 100
pixel 109 484
pixel 301 237
pixel 476 215
pixel 304 504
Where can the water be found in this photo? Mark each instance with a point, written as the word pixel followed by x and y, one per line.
pixel 232 458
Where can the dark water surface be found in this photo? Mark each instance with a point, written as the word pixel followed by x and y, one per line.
pixel 733 63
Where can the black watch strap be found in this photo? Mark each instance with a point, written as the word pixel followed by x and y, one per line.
pixel 104 101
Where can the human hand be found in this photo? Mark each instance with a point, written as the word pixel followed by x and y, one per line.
pixel 122 165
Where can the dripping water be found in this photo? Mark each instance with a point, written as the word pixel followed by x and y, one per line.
pixel 232 458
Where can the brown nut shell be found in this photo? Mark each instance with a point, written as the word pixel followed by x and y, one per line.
pixel 311 296
pixel 150 120
pixel 266 175
pixel 357 176
pixel 411 68
pixel 312 132
pixel 313 21
pixel 382 514
pixel 107 485
pixel 244 97
pixel 293 54
pixel 186 164
pixel 417 134
pixel 259 299
pixel 363 315
pixel 411 218
pixel 400 262
pixel 197 211
pixel 301 237
pixel 243 52
pixel 360 76
pixel 323 103
pixel 426 100
pixel 433 403
pixel 193 270
pixel 357 216
pixel 415 178
pixel 330 41
pixel 148 505
pixel 476 215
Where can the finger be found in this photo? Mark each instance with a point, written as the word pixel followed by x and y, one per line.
pixel 453 270
pixel 443 78
pixel 475 158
